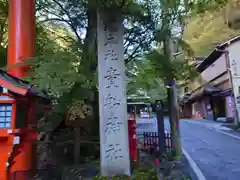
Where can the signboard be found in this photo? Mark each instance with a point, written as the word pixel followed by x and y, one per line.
pixel 238 103
pixel 238 99
pixel 159 105
pixel 112 96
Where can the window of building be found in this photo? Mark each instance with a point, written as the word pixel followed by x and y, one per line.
pixel 5 115
pixel 185 89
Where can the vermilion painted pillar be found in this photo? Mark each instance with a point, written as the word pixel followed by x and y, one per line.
pixel 132 138
pixel 21 34
pixel 21 45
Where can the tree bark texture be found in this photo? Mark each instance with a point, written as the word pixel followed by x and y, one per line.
pixel 174 123
pixel 172 101
pixel 76 145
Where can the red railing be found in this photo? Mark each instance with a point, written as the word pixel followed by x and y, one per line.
pixel 150 141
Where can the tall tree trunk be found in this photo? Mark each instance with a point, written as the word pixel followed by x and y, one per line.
pixel 90 43
pixel 95 106
pixel 175 113
pixel 172 100
pixel 174 122
pixel 76 145
pixel 90 61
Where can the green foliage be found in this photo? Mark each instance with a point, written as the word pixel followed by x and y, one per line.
pixel 157 66
pixel 122 177
pixel 143 81
pixel 3 32
pixel 62 81
pixel 214 27
pixel 179 69
pixel 79 16
pixel 145 174
pixel 3 56
pixel 66 61
pixel 138 174
pixel 59 75
pixel 202 6
pixel 163 62
pixel 183 177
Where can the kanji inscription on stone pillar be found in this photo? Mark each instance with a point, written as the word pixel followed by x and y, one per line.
pixel 112 96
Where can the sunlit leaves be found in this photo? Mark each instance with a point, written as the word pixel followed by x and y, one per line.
pixel 79 110
pixel 204 32
pixel 201 6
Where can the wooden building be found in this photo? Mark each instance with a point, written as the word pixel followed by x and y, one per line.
pixel 213 94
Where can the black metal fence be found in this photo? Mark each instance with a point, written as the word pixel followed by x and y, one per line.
pixel 51 173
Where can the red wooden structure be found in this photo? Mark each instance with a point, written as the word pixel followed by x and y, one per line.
pixel 18 99
pixel 132 138
pixel 18 103
pixel 150 141
pixel 21 35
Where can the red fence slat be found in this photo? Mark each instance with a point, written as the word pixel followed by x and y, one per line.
pixel 150 141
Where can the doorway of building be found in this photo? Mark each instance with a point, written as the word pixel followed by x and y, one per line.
pixel 218 103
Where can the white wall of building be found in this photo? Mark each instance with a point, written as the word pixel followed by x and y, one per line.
pixel 213 71
pixel 234 59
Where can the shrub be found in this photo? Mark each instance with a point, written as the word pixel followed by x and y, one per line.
pixel 138 174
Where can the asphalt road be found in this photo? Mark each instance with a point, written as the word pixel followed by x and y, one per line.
pixel 216 154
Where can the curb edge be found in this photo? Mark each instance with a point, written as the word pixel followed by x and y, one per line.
pixel 194 166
